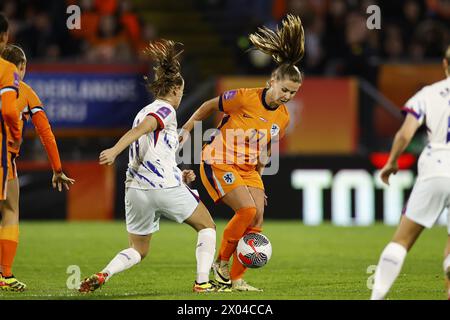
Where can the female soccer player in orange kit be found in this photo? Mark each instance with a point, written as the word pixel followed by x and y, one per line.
pixel 231 172
pixel 30 106
pixel 9 133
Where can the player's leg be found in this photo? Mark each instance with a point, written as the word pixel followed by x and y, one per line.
pixel 237 268
pixel 203 223
pixel 447 263
pixel 426 203
pixel 393 256
pixel 125 259
pixel 241 202
pixel 224 183
pixel 182 205
pixel 141 224
pixel 3 188
pixel 9 237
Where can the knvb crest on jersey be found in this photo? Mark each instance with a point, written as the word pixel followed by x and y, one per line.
pixel 163 112
pixel 274 130
pixel 229 94
pixel 228 178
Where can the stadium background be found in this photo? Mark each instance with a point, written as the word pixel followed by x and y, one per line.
pixel 342 120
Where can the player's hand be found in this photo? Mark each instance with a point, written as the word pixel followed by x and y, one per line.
pixel 388 169
pixel 183 136
pixel 265 200
pixel 60 179
pixel 107 156
pixel 188 176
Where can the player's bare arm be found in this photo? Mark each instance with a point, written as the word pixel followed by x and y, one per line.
pixel 149 124
pixel 202 113
pixel 401 141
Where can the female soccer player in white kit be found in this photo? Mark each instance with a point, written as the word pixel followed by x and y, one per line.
pixel 155 186
pixel 431 192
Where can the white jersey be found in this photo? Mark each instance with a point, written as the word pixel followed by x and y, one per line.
pixel 152 162
pixel 431 106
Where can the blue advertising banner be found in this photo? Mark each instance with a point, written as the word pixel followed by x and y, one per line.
pixel 94 99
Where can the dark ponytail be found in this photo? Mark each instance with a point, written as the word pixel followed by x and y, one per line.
pixel 167 69
pixel 286 46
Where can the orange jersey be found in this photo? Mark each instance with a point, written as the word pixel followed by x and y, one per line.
pixel 9 91
pixel 30 106
pixel 247 128
pixel 9 120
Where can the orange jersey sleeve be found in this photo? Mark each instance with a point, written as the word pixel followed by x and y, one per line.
pixel 231 101
pixel 9 91
pixel 44 130
pixel 33 109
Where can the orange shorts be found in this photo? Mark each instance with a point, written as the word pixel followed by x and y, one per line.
pixel 220 179
pixel 7 172
pixel 12 168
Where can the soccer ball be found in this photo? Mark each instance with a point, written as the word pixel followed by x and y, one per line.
pixel 254 250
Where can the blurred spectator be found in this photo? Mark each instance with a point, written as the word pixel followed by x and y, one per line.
pixel 440 8
pixel 106 7
pixel 393 47
pixel 110 42
pixel 89 21
pixel 314 56
pixel 149 34
pixel 130 22
pixel 37 38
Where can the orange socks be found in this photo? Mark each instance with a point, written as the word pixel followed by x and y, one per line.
pixel 9 238
pixel 234 230
pixel 238 269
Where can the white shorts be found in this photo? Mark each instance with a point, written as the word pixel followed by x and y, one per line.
pixel 143 208
pixel 428 200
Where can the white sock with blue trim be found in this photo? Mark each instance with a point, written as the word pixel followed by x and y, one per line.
pixel 204 252
pixel 388 269
pixel 125 259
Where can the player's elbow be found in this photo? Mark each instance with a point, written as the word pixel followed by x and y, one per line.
pixel 10 115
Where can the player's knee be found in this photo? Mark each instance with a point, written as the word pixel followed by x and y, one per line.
pixel 206 225
pixel 257 221
pixel 248 213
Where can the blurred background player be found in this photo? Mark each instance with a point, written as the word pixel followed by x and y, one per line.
pixel 10 133
pixel 29 106
pixel 431 192
pixel 260 111
pixel 154 184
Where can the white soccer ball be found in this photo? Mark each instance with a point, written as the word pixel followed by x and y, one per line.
pixel 254 250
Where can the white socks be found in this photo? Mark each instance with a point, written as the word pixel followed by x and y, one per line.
pixel 205 251
pixel 123 260
pixel 388 269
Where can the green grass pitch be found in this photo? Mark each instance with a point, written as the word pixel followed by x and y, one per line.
pixel 324 262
